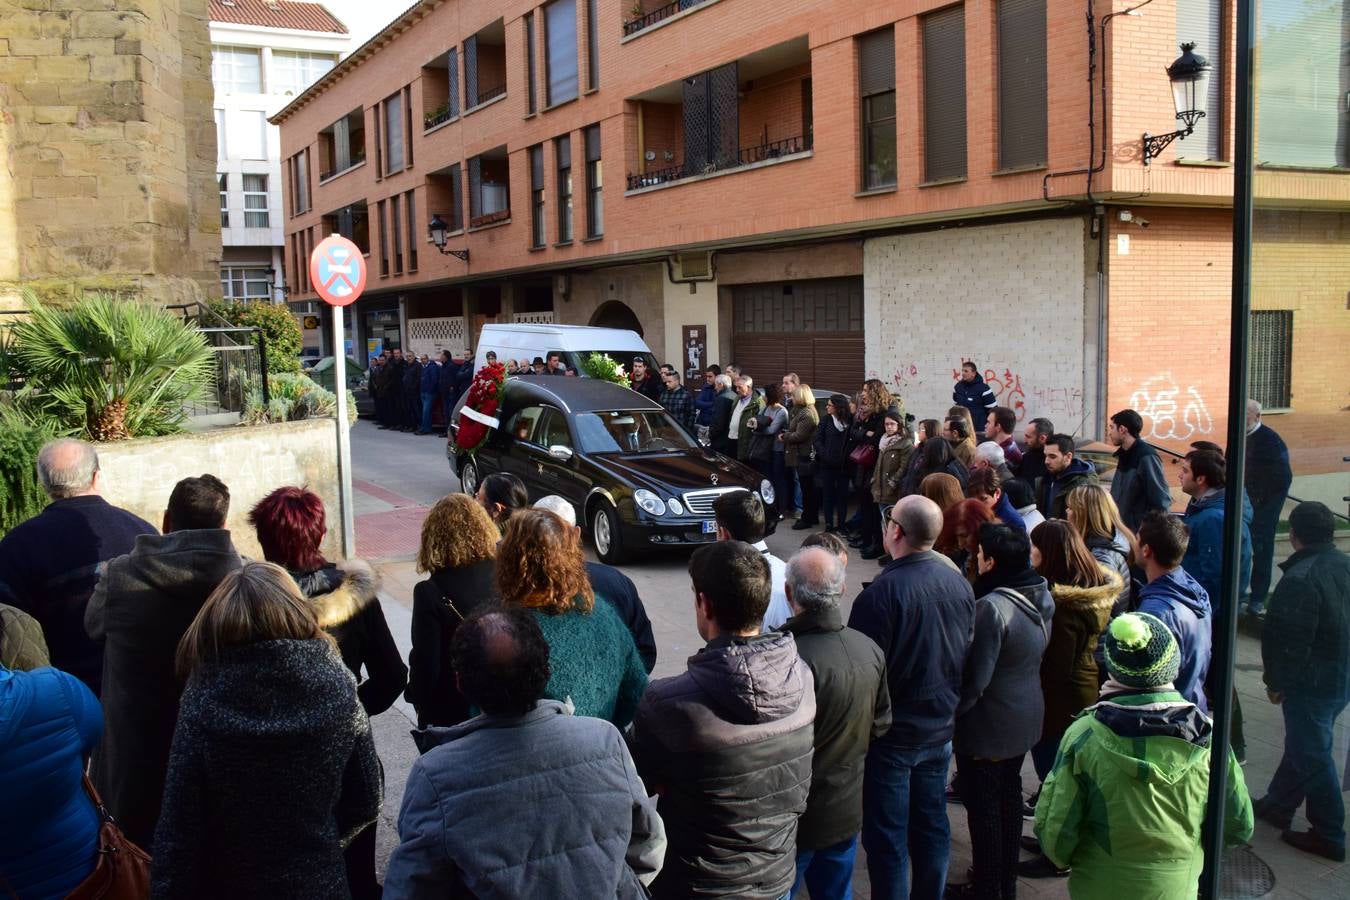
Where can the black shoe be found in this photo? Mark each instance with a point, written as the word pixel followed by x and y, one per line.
pixel 965 891
pixel 1314 843
pixel 1041 867
pixel 802 525
pixel 1029 843
pixel 857 543
pixel 1265 810
pixel 1029 807
pixel 872 552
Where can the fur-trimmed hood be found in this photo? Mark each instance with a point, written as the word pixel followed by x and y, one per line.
pixel 339 592
pixel 1096 598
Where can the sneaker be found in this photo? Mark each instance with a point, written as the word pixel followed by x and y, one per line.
pixel 1041 867
pixel 1265 810
pixel 1314 843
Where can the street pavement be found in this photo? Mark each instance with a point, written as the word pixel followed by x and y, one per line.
pixel 397 476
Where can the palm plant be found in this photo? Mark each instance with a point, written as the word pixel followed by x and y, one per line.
pixel 109 368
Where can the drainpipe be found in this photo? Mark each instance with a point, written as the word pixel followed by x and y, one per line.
pixel 1103 246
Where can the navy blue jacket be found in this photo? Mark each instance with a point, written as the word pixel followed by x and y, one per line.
pixel 1204 551
pixel 1180 601
pixel 1305 642
pixel 1268 475
pixel 921 613
pixel 616 588
pixel 1139 485
pixel 431 377
pixel 977 397
pixel 704 403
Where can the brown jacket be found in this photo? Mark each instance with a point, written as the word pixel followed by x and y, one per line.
pixel 890 471
pixel 1068 669
pixel 800 432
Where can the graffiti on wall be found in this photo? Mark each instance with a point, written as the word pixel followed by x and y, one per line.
pixel 1170 412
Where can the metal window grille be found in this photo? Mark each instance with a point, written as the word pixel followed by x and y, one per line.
pixel 470 71
pixel 1271 358
pixel 452 74
pixel 944 94
pixel 711 120
pixel 1022 115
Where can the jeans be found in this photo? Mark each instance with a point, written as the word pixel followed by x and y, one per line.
pixel 428 401
pixel 1307 771
pixel 992 794
pixel 1265 516
pixel 834 496
pixel 827 872
pixel 904 818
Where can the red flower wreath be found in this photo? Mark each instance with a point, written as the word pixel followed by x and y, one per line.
pixel 478 416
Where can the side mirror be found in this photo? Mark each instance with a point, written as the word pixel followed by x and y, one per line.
pixel 560 453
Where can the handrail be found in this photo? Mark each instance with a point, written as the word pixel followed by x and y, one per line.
pixel 661 13
pixel 744 157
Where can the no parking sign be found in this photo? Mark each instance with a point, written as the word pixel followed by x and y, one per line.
pixel 337 269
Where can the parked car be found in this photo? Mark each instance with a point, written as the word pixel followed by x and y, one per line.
pixel 321 371
pixel 637 480
pixel 573 342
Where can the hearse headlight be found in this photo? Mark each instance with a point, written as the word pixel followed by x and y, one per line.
pixel 649 502
pixel 766 491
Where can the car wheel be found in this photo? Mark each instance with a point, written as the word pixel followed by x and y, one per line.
pixel 468 477
pixel 606 536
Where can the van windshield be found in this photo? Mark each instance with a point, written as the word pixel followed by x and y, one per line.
pixel 630 432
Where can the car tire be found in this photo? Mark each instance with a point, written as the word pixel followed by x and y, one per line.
pixel 606 536
pixel 468 476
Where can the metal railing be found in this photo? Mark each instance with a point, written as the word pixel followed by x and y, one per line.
pixel 660 14
pixel 745 157
pixel 432 119
pixel 491 93
pixel 333 173
pixel 240 353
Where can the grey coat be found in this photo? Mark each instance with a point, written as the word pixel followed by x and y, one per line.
pixel 273 770
pixel 1001 709
pixel 541 805
pixel 1139 484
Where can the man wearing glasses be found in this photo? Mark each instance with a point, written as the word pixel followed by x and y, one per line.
pixel 920 612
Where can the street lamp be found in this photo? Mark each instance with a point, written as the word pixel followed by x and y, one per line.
pixel 1189 75
pixel 274 287
pixel 439 230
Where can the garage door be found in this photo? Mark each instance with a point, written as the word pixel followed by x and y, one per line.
pixel 813 328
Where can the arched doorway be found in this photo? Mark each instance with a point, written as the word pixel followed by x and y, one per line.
pixel 614 314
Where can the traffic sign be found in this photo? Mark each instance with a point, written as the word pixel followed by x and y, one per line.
pixel 337 270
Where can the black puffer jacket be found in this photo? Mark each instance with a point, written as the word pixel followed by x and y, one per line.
pixel 831 445
pixel 853 706
pixel 727 745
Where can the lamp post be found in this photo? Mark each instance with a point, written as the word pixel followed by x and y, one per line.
pixel 439 230
pixel 1189 75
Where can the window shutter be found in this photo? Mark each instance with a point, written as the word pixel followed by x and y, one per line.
pixel 537 167
pixel 944 94
pixel 592 143
pixel 1022 119
pixel 1199 22
pixel 876 62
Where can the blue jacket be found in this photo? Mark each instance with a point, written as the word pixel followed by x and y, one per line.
pixel 1008 514
pixel 704 404
pixel 431 377
pixel 977 397
pixel 1180 601
pixel 1204 552
pixel 49 721
pixel 1267 476
pixel 921 613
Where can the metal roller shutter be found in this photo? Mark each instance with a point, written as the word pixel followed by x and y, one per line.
pixel 944 94
pixel 1022 118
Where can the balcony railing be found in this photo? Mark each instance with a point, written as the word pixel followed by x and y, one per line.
pixel 436 117
pixel 491 93
pixel 660 14
pixel 333 173
pixel 745 157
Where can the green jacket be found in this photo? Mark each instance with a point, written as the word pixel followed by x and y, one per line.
pixel 754 408
pixel 1124 803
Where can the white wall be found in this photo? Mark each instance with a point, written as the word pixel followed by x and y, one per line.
pixel 1011 297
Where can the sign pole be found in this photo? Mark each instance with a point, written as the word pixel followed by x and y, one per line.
pixel 344 434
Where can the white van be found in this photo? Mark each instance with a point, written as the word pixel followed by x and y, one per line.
pixel 574 342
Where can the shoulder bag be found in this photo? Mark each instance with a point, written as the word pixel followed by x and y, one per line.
pixel 122 870
pixel 864 455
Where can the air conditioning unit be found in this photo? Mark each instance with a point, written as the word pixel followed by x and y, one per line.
pixel 696 266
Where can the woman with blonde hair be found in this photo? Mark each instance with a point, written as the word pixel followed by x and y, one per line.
pixel 459 552
pixel 273 769
pixel 797 439
pixel 594 663
pixel 1094 515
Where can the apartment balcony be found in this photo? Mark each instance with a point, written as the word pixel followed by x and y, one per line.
pixel 485 66
pixel 342 145
pixel 748 113
pixel 646 14
pixel 440 90
pixel 489 188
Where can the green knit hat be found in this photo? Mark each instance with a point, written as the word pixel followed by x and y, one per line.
pixel 1141 652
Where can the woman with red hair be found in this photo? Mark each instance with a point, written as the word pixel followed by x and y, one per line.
pixel 960 537
pixel 290 523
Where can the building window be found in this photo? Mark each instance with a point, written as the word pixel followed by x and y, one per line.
pixel 1022 119
pixel 410 211
pixel 562 153
pixel 244 284
pixel 224 200
pixel 382 223
pixel 593 44
pixel 255 201
pixel 393 133
pixel 252 134
pixel 396 226
pixel 1200 22
pixel 489 188
pixel 537 236
pixel 595 198
pixel 342 145
pixel 236 70
pixel 220 134
pixel 300 181
pixel 352 222
pixel 560 60
pixel 1303 118
pixel 456 198
pixel 876 87
pixel 291 71
pixel 530 92
pixel 1272 358
pixel 944 94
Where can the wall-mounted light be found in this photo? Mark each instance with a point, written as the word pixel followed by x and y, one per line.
pixel 439 230
pixel 1189 75
pixel 273 287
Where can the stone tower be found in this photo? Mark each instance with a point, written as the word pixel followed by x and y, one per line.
pixel 108 142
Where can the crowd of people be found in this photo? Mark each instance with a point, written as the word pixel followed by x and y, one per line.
pixel 1022 609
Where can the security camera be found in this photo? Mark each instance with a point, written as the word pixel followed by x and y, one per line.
pixel 1142 223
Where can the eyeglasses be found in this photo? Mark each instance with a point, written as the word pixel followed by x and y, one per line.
pixel 886 515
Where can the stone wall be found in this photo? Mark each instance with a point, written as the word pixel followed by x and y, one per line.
pixel 252 461
pixel 109 141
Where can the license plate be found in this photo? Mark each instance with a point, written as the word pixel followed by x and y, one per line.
pixel 709 526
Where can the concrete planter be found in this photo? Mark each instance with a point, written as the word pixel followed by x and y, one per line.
pixel 253 461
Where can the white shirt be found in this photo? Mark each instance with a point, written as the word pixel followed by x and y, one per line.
pixel 778 611
pixel 737 411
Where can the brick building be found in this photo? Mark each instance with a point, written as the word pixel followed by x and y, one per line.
pixel 846 189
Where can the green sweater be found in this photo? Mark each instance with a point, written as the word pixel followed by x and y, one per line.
pixel 594 663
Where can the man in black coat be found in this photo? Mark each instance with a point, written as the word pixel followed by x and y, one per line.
pixel 448 386
pixel 1139 485
pixel 853 706
pixel 921 613
pixel 412 393
pixel 1267 478
pixel 50 563
pixel 721 424
pixel 971 392
pixel 142 606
